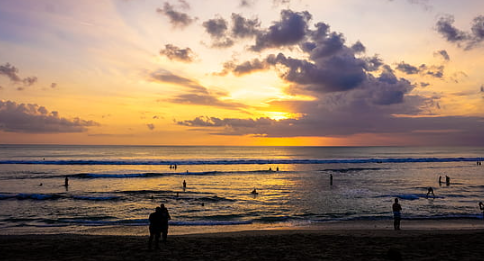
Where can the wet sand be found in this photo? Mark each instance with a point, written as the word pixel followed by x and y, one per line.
pixel 420 240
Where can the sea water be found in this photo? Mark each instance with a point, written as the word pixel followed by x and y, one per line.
pixel 121 185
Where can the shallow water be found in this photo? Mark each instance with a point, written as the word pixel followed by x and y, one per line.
pixel 121 185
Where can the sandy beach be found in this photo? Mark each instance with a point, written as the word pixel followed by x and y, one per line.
pixel 456 240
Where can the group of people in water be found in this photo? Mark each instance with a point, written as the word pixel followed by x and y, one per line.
pixel 397 208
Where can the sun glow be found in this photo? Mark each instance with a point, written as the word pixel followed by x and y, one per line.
pixel 278 115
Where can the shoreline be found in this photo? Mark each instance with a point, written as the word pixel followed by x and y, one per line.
pixel 275 244
pixel 345 227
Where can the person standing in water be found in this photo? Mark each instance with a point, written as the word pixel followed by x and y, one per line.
pixel 481 207
pixel 430 190
pixel 397 208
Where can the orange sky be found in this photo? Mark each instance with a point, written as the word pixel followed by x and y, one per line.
pixel 242 72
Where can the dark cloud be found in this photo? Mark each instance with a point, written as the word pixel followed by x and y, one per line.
pixel 407 68
pixel 443 54
pixel 351 93
pixel 32 118
pixel 177 19
pixel 216 27
pixel 196 94
pixel 290 30
pixel 424 84
pixel 358 47
pixel 245 67
pixel 434 71
pixel 243 27
pixel 466 40
pixel 11 72
pixel 446 28
pixel 175 53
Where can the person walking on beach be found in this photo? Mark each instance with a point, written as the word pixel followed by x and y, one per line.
pixel 184 185
pixel 164 217
pixel 396 214
pixel 155 228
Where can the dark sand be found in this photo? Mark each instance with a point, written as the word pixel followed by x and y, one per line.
pixel 453 242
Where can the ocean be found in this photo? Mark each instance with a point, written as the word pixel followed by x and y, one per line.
pixel 119 186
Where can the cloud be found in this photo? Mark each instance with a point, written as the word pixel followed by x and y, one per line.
pixel 463 39
pixel 150 126
pixel 223 36
pixel 11 72
pixel 175 53
pixel 407 68
pixel 352 94
pixel 443 54
pixel 32 118
pixel 243 27
pixel 196 93
pixel 216 27
pixel 177 19
pixel 434 71
pixel 290 30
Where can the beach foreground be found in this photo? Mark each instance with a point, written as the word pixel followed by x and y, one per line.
pixel 255 245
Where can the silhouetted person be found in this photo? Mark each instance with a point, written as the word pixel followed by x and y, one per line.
pixel 397 216
pixel 331 179
pixel 165 216
pixel 66 181
pixel 447 180
pixel 429 191
pixel 440 180
pixel 254 192
pixel 481 207
pixel 155 228
pixel 184 185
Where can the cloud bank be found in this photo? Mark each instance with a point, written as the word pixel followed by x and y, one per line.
pixel 32 118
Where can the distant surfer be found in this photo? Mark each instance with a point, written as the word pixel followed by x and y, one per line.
pixel 254 192
pixel 430 190
pixel 397 208
pixel 481 207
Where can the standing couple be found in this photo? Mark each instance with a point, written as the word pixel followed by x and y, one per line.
pixel 159 225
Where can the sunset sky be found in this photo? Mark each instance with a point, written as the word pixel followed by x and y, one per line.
pixel 242 72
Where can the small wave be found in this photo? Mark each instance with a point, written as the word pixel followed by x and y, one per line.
pixel 238 161
pixel 350 169
pixel 34 196
pixel 209 223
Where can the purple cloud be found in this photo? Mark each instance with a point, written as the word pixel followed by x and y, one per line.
pixel 32 118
